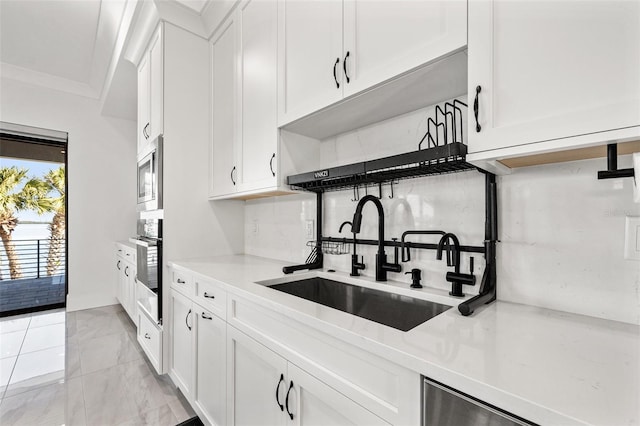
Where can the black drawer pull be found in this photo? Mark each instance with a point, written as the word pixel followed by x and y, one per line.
pixel 181 281
pixel 278 392
pixel 186 319
pixel 344 67
pixel 287 400
pixel 126 269
pixel 476 109
pixel 146 336
pixel 118 266
pixel 206 316
pixel 209 296
pixel 335 77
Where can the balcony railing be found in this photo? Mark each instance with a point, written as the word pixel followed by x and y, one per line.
pixel 32 256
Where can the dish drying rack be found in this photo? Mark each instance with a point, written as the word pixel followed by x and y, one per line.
pixel 327 247
pixel 445 152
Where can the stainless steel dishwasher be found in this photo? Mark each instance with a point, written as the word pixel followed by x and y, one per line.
pixel 442 406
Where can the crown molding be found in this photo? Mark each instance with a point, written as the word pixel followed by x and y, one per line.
pixel 36 78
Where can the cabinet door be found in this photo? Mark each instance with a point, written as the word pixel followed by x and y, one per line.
pixel 310 49
pixel 133 297
pixel 253 380
pixel 384 39
pixel 312 402
pixel 182 342
pixel 128 288
pixel 258 27
pixel 121 281
pixel 143 103
pixel 156 84
pixel 211 366
pixel 223 167
pixel 551 70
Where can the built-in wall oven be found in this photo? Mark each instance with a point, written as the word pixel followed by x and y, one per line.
pixel 149 267
pixel 150 176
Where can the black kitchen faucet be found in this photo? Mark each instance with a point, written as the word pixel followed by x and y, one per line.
pixel 381 258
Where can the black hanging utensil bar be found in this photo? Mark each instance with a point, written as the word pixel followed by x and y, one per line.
pixel 612 171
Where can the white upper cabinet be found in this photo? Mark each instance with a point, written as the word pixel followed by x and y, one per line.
pixel 250 156
pixel 383 39
pixel 257 22
pixel 310 37
pixel 552 75
pixel 151 91
pixel 224 166
pixel 331 50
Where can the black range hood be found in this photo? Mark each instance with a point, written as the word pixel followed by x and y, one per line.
pixel 431 161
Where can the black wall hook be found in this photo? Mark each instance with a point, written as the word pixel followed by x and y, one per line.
pixel 612 171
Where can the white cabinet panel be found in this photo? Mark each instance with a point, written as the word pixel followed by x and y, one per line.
pixel 224 170
pixel 143 102
pixel 156 84
pixel 552 70
pixel 313 403
pixel 383 39
pixel 253 377
pixel 258 87
pixel 310 49
pixel 182 343
pixel 211 372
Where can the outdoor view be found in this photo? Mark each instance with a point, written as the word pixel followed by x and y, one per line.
pixel 32 228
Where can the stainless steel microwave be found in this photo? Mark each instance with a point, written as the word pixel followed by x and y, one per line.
pixel 150 176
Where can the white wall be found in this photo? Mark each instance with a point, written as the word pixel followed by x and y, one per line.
pixel 561 230
pixel 101 174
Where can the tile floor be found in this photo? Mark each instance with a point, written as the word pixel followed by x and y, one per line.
pixel 81 368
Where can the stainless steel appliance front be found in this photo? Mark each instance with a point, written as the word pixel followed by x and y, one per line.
pixel 150 176
pixel 149 262
pixel 443 406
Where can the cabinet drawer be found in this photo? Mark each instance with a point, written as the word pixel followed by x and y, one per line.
pixel 183 282
pixel 150 338
pixel 126 252
pixel 211 296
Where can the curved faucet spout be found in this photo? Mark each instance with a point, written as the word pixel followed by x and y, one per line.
pixel 456 250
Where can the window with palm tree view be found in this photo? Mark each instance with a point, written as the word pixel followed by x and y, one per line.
pixel 32 227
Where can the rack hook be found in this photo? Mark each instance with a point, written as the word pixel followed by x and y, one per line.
pixel 356 194
pixel 379 190
pixel 391 196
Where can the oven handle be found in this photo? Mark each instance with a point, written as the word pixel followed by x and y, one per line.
pixel 143 243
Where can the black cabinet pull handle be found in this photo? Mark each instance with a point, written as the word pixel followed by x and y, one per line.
pixel 271 164
pixel 126 268
pixel 287 400
pixel 118 266
pixel 344 67
pixel 186 319
pixel 146 336
pixel 233 170
pixel 278 392
pixel 476 108
pixel 144 131
pixel 335 77
pixel 206 316
pixel 180 281
pixel 209 296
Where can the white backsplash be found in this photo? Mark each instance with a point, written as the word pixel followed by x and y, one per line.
pixel 561 230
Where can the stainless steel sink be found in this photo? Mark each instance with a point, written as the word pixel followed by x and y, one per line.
pixel 394 310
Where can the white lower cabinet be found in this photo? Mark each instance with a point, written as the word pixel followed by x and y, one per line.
pixel 211 366
pixel 265 388
pixel 126 279
pixel 150 339
pixel 182 342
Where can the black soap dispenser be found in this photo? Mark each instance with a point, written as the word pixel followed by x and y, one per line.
pixel 416 276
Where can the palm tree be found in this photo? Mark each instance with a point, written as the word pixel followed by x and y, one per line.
pixel 32 196
pixel 56 181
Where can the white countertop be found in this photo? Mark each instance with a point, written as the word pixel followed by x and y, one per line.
pixel 546 366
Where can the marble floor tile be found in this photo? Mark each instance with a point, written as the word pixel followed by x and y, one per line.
pixel 42 406
pixel 10 343
pixel 35 364
pixel 75 414
pixel 72 360
pixel 34 383
pixel 181 408
pixel 106 399
pixel 107 351
pixel 48 318
pixel 6 368
pixel 161 416
pixel 92 323
pixel 147 393
pixel 14 323
pixel 43 337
